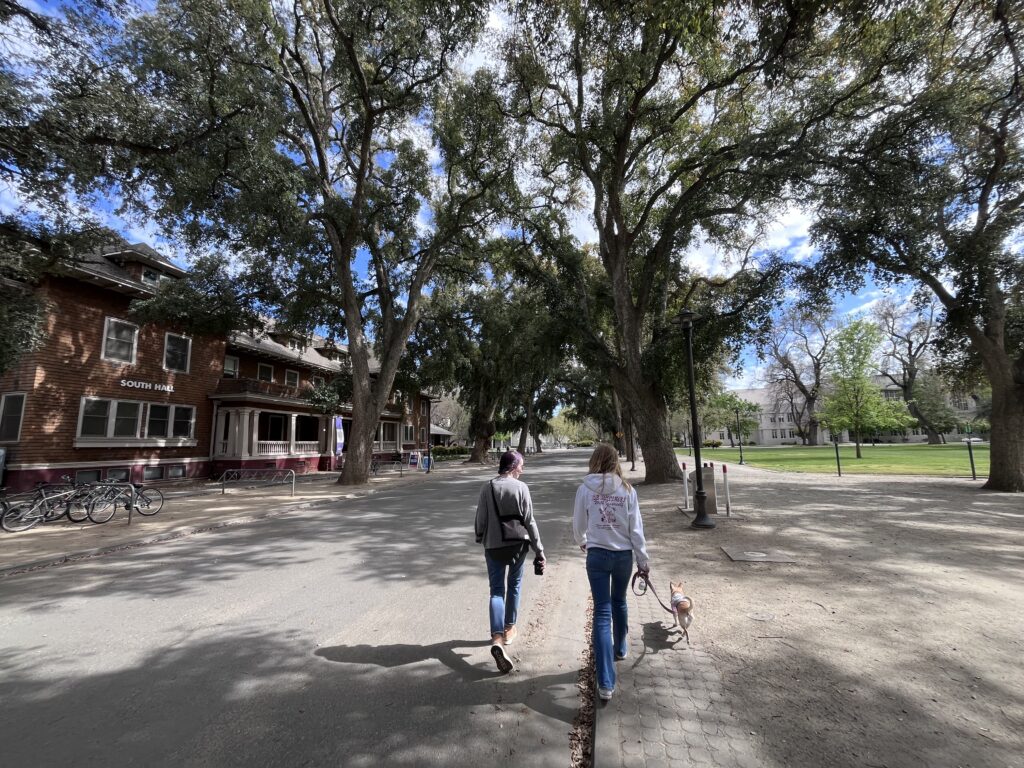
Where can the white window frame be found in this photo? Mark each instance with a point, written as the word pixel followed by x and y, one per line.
pixel 188 353
pixel 317 381
pixel 298 377
pixel 111 419
pixel 408 433
pixel 109 440
pixel 225 369
pixel 21 415
pixel 260 367
pixel 103 342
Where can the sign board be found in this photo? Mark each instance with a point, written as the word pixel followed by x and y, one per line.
pixel 339 436
pixel 414 459
pixel 148 385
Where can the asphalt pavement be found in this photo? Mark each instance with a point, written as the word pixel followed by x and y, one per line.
pixel 332 628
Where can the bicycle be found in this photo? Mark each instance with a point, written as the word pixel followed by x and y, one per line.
pixel 145 501
pixel 48 503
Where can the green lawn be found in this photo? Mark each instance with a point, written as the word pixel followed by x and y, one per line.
pixel 946 460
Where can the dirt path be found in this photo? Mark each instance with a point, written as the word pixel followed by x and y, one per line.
pixel 897 637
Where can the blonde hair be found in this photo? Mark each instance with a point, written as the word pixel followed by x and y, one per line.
pixel 605 461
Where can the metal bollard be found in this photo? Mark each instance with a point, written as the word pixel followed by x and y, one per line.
pixel 686 487
pixel 725 481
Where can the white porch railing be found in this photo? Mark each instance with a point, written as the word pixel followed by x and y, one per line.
pixel 271 447
pixel 310 446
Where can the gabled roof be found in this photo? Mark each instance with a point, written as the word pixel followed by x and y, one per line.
pixel 103 267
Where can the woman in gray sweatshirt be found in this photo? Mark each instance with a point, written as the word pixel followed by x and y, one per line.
pixel 506 528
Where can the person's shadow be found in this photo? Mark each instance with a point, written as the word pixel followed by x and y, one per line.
pixel 400 655
pixel 555 696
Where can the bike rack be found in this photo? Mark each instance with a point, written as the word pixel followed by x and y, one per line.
pixel 272 476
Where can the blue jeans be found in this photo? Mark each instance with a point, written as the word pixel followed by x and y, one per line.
pixel 609 573
pixel 504 606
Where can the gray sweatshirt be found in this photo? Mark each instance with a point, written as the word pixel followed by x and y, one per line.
pixel 513 496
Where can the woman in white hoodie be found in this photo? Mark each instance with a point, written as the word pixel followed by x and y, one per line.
pixel 607 525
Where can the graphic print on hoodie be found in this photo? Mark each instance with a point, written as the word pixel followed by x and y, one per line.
pixel 611 509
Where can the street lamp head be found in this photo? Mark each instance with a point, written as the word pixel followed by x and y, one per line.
pixel 685 319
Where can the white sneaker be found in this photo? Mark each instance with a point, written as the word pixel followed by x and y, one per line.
pixel 605 694
pixel 501 659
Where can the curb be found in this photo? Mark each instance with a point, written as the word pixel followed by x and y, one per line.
pixel 605 742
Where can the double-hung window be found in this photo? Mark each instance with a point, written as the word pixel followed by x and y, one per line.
pixel 110 418
pixel 120 341
pixel 177 352
pixel 12 409
pixel 170 421
pixel 265 372
pixel 291 378
pixel 230 367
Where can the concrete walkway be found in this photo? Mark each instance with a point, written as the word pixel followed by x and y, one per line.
pixel 894 639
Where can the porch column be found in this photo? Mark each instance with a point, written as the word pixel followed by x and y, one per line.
pixel 218 430
pixel 291 433
pixel 243 445
pixel 254 442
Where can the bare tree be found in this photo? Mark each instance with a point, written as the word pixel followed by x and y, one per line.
pixel 798 355
pixel 909 334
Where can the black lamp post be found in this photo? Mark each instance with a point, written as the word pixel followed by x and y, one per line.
pixel 700 498
pixel 739 435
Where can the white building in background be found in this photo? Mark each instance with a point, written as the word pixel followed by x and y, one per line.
pixel 777 424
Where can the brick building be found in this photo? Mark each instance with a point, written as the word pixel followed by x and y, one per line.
pixel 107 398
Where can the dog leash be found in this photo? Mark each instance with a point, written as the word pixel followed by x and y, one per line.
pixel 645 584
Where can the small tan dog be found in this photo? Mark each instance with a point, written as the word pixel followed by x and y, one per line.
pixel 682 608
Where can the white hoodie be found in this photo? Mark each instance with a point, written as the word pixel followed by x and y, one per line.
pixel 607 516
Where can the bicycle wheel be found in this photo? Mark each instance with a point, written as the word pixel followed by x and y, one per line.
pixel 78 511
pixel 149 501
pixel 102 509
pixel 21 517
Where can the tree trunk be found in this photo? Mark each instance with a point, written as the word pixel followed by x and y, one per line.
pixel 813 432
pixel 650 417
pixel 524 434
pixel 856 442
pixel 536 443
pixel 481 447
pixel 359 450
pixel 482 429
pixel 1006 469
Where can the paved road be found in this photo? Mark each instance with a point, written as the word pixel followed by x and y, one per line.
pixel 353 634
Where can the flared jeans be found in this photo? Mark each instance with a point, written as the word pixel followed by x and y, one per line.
pixel 609 573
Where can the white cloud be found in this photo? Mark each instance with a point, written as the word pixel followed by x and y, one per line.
pixel 792 226
pixel 752 377
pixel 582 227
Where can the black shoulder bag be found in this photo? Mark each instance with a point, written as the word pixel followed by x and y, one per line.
pixel 513 528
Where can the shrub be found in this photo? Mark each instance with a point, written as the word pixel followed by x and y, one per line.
pixel 712 443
